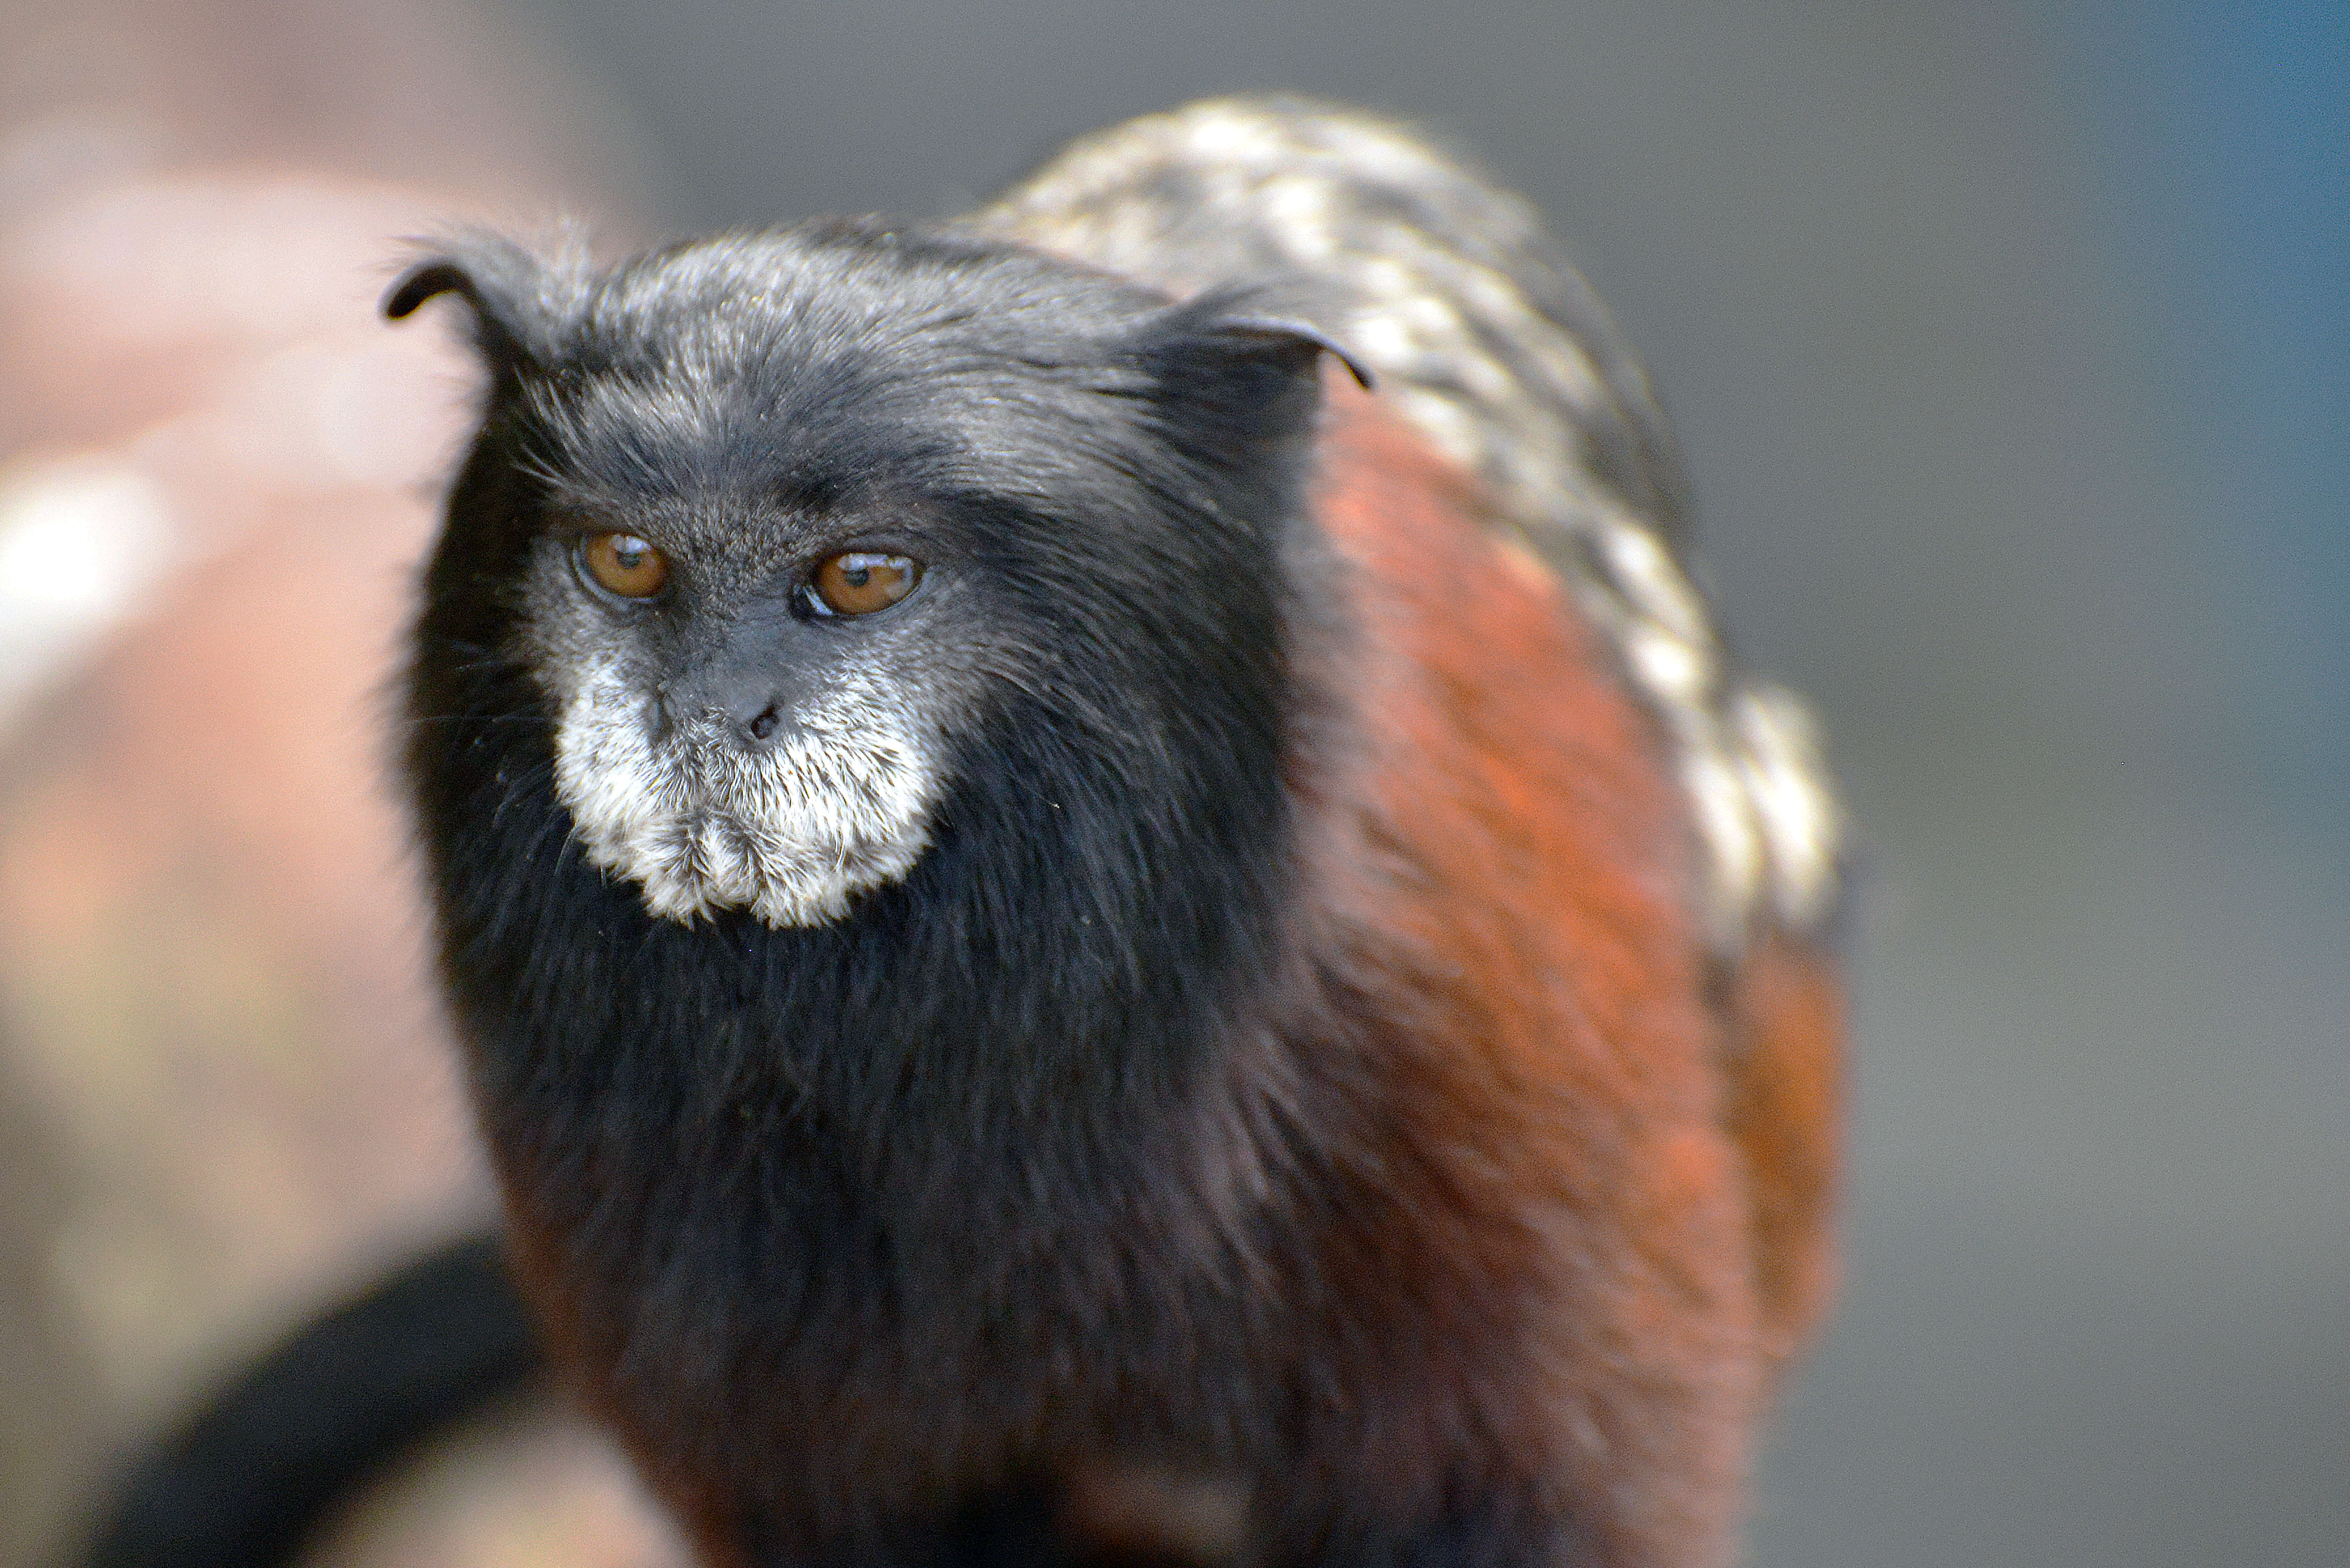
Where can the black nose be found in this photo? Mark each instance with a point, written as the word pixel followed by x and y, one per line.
pixel 755 722
pixel 735 676
pixel 754 715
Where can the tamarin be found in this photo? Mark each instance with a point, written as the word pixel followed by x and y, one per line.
pixel 1107 892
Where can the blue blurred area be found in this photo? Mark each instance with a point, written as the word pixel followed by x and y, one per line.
pixel 2011 345
pixel 2218 140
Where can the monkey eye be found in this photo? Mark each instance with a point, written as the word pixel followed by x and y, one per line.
pixel 623 564
pixel 859 582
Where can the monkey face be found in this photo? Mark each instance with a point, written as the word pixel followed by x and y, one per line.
pixel 759 681
pixel 733 737
pixel 781 527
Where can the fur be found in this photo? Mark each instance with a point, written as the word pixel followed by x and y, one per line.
pixel 788 833
pixel 1506 362
pixel 1279 1058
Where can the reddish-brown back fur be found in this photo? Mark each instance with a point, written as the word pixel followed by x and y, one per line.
pixel 1785 1105
pixel 1602 1193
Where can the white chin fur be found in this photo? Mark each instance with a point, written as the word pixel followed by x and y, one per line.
pixel 790 834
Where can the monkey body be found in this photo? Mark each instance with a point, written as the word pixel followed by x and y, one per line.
pixel 1280 1093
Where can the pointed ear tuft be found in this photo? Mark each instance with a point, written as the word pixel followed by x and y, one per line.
pixel 1297 336
pixel 421 282
pixel 1236 372
pixel 513 295
pixel 1264 318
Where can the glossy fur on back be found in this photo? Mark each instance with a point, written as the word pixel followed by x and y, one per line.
pixel 1290 1097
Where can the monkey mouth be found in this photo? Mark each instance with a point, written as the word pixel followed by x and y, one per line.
pixel 706 859
pixel 791 835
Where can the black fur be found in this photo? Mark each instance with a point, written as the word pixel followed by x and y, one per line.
pixel 249 1478
pixel 858 1229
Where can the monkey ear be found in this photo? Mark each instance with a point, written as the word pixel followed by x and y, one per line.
pixel 1236 375
pixel 513 295
pixel 1293 337
pixel 1254 322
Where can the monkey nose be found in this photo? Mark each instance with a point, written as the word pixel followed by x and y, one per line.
pixel 753 723
pixel 755 720
pixel 736 689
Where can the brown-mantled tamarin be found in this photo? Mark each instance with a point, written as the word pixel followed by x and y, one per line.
pixel 1077 942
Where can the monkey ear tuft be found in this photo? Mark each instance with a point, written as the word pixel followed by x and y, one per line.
pixel 515 296
pixel 1236 372
pixel 1296 337
pixel 1253 321
pixel 421 282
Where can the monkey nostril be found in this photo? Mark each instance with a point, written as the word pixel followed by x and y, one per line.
pixel 764 724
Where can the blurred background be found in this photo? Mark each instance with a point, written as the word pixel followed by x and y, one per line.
pixel 2009 344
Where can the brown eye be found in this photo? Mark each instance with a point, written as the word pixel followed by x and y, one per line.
pixel 624 564
pixel 859 582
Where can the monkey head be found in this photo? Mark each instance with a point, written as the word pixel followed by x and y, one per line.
pixel 782 522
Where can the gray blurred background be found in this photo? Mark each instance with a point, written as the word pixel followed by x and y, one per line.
pixel 2010 347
